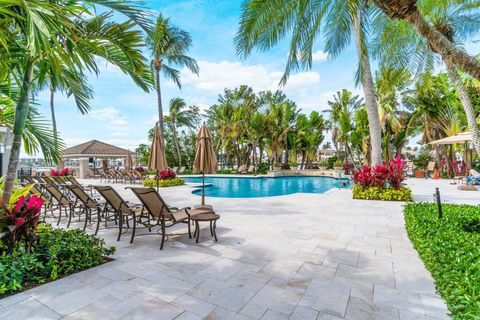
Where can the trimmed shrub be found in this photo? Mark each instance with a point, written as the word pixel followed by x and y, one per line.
pixel 450 249
pixel 56 253
pixel 163 183
pixel 386 194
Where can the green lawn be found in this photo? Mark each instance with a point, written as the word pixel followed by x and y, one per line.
pixel 450 249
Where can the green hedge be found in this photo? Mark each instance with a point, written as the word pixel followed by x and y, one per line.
pixel 163 183
pixel 56 253
pixel 387 194
pixel 450 250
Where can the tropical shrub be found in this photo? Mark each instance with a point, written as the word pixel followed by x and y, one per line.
pixel 166 174
pixel 449 248
pixel 386 194
pixel 225 171
pixel 421 162
pixel 262 167
pixel 163 183
pixel 331 162
pixel 347 167
pixel 140 169
pixel 18 224
pixel 55 253
pixel 60 173
pixel 188 171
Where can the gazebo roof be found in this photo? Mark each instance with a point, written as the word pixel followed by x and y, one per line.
pixel 457 138
pixel 95 148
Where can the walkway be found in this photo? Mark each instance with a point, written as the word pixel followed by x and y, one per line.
pixel 302 256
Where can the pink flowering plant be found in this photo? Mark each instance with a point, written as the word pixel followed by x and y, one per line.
pixel 18 221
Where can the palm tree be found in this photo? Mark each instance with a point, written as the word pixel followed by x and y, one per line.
pixel 265 23
pixel 411 11
pixel 169 46
pixel 344 102
pixel 457 22
pixel 60 33
pixel 181 116
pixel 309 136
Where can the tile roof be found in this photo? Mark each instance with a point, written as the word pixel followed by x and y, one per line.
pixel 96 148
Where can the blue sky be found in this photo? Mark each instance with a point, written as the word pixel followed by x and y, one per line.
pixel 122 113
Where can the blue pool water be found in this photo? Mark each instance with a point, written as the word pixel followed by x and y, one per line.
pixel 232 187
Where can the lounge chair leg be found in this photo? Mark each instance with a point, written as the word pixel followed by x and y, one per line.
pixel 87 211
pixel 98 220
pixel 69 217
pixel 134 227
pixel 163 235
pixel 59 215
pixel 211 228
pixel 120 227
pixel 189 230
pixel 215 230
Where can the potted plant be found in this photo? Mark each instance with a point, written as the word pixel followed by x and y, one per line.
pixel 421 163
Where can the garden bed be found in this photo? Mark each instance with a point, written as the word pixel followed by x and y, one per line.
pixel 163 183
pixel 450 250
pixel 55 254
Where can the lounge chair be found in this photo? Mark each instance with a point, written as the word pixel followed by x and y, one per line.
pixel 88 204
pixel 123 210
pixel 430 167
pixel 473 177
pixel 162 213
pixel 181 170
pixel 174 169
pixel 63 202
pixel 251 169
pixel 240 169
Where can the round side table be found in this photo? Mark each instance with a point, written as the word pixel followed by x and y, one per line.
pixel 207 216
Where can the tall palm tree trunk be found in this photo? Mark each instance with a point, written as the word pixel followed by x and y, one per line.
pixel 177 144
pixel 466 102
pixel 52 111
pixel 369 92
pixel 21 112
pixel 406 9
pixel 159 102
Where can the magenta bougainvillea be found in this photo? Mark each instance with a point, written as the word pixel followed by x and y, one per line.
pixel 380 175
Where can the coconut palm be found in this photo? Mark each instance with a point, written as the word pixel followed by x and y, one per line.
pixel 455 21
pixel 308 136
pixel 181 116
pixel 169 46
pixel 61 33
pixel 413 12
pixel 343 102
pixel 265 23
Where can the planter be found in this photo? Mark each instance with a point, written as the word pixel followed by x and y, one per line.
pixel 419 173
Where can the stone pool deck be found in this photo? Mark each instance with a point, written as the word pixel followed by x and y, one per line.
pixel 301 256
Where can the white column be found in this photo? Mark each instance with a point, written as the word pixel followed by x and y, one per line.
pixel 83 170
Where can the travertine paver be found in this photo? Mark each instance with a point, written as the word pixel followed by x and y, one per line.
pixel 302 256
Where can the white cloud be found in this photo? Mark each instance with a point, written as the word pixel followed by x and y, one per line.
pixel 214 77
pixel 118 134
pixel 112 116
pixel 319 56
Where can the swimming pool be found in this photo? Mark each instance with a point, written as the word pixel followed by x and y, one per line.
pixel 236 187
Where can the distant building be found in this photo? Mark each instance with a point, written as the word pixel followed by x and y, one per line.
pixel 324 154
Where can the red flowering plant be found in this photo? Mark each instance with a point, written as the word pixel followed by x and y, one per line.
pixel 363 177
pixel 347 167
pixel 380 174
pixel 60 173
pixel 166 174
pixel 19 221
pixel 140 169
pixel 395 174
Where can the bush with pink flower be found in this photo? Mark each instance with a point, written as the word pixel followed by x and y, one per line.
pixel 167 174
pixel 60 173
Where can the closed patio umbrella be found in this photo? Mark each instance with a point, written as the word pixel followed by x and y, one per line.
pixel 128 162
pixel 156 160
pixel 205 159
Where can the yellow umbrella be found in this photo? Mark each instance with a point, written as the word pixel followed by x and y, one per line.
pixel 205 159
pixel 156 160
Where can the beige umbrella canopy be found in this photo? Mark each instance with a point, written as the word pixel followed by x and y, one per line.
pixel 205 159
pixel 156 160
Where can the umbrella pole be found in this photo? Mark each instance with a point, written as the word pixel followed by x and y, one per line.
pixel 203 189
pixel 156 179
